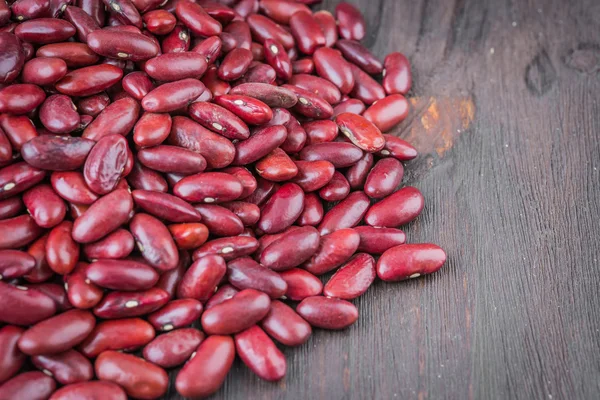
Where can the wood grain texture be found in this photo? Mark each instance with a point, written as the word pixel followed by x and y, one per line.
pixel 507 116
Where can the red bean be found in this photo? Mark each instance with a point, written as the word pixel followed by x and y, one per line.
pixel 301 284
pixel 121 275
pixel 277 166
pixel 13 57
pixel 328 25
pixel 56 153
pixel 258 73
pixel 189 236
pixel 151 129
pixel 209 187
pixel 118 118
pixel 291 250
pixel 11 358
pixel 397 148
pixel 89 391
pixel 44 30
pixel 219 220
pixel 384 178
pixel 330 65
pixel 260 354
pixel 210 49
pixel 248 213
pixel 366 89
pixel 337 189
pixel 139 378
pixel 359 55
pixel 173 348
pixel 89 80
pixel 361 132
pixel 196 19
pixel 322 90
pixel 320 131
pixel 303 66
pixel 335 248
pixel 240 31
pixel 173 95
pixel 122 334
pixel 176 41
pixel 377 240
pixel 353 106
pixel 176 314
pixel 137 84
pixel 20 98
pixel 18 129
pixel 263 28
pixel 32 385
pixel 237 314
pixel 327 313
pixel 235 64
pixel 277 58
pixel 340 154
pixel 353 279
pixel 388 112
pixel 93 105
pixel 118 244
pixel 15 263
pixel 307 32
pixel 263 191
pixel 273 96
pixel 206 371
pixel 351 23
pixel 18 231
pixel 282 209
pixel 285 325
pixel 43 204
pixel 67 368
pixel 219 120
pixel 312 213
pixel 261 142
pixel 229 248
pixel 410 261
pixel 397 75
pixel 245 273
pixel 79 55
pixel 62 252
pixel 176 66
pixel 44 70
pixel 250 110
pixel 202 278
pixel 130 304
pixel 83 22
pixel 159 22
pixel 281 11
pixel 397 209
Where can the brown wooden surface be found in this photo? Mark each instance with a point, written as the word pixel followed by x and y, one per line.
pixel 506 114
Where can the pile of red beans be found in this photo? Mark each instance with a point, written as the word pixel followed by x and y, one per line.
pixel 175 177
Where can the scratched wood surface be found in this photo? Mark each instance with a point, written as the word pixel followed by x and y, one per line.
pixel 507 117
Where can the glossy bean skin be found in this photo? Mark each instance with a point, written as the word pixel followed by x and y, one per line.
pixel 104 216
pixel 209 48
pixel 260 354
pixel 219 220
pixel 229 248
pixel 303 66
pixel 397 76
pixel 124 11
pixel 118 118
pixel 277 58
pixel 121 274
pixel 284 325
pixel 388 112
pixel 56 292
pixel 77 55
pixel 236 314
pixel 384 178
pixel 353 106
pixel 164 158
pixel 142 178
pixel 282 209
pixel 201 279
pixel 152 129
pixel 89 80
pixel 56 153
pixel 130 304
pixel 176 314
pixel 18 129
pixel 216 85
pixel 71 186
pixel 159 22
pixel 67 367
pixel 309 104
pixel 15 263
pixel 306 32
pixel 330 65
pixel 313 175
pixel 223 294
pixel 57 334
pixel 165 206
pixel 105 163
pixel 245 273
pixel 154 242
pixel 250 110
pixel 11 358
pixel 397 148
pixel 62 252
pixel 176 66
pixel 397 209
pixel 219 120
pixel 122 334
pixel 137 84
pixel 10 207
pixel 196 19
pixel 320 131
pixel 44 30
pixel 357 173
pixel 366 89
pixel 5 148
pixel 258 73
pixel 327 313
pixel 273 96
pixel 351 23
pixel 173 348
pixel 81 292
pixel 18 231
pixel 44 205
pixel 13 57
pixel 352 279
pixel 176 41
pixel 328 25
pixel 359 55
pixel 188 236
pixel 301 284
pixel 263 28
pixel 361 132
pixel 203 374
pixel 169 280
pixel 291 249
pixel 410 261
pixel 377 240
pixel 83 22
pixel 59 115
pixel 249 182
pixel 334 249
pixel 337 189
pixel 281 11
pixel 118 244
pixel 44 70
pixel 93 105
pixel 320 87
pixel 21 98
pixel 340 154
pixel 312 214
pixel 235 64
pixel 209 187
pixel 172 95
pixel 277 166
pixel 241 32
pixel 32 385
pixel 346 214
pixel 139 378
pixel 261 142
pixel 89 391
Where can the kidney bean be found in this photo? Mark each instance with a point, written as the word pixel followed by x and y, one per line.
pixel 346 214
pixel 5 148
pixel 261 143
pixel 212 81
pixel 306 32
pixel 312 213
pixel 303 66
pixel 41 271
pixel 281 11
pixel 377 240
pixel 43 71
pixel 11 358
pixel 81 292
pixel 56 292
pixel 357 173
pixel 353 279
pixel 301 284
pixel 296 137
pixel 330 65
pixel 176 314
pixel 57 334
pixel 10 207
pixel 248 213
pixel 18 129
pixel 165 206
pixel 277 166
pixel 328 26
pixel 142 178
pixel 152 129
pixel 282 209
pixel 32 385
pixel 351 23
pixel 173 95
pixel 80 55
pixel 237 314
pixel 137 85
pixel 397 209
pixel 337 189
pixel 56 153
pixel 202 278
pixel 173 348
pixel 176 41
pixel 189 235
pixel 250 110
pixel 210 49
pixel 219 220
pixel 410 261
pixel 103 217
pixel 220 12
pixel 67 368
pixel 123 334
pixel 281 116
pixel 223 294
pixel 154 242
pixel 359 55
pixel 397 148
pixel 89 391
pixel 20 98
pixel 366 89
pixel 121 274
pixel 361 132
pixel 291 250
pixel 62 252
pixel 313 175
pixel 273 96
pixel 44 30
pixel 353 106
pixel 388 112
pixel 118 244
pixel 209 187
pixel 235 64
pixel 130 304
pixel 117 118
pixel 59 115
pixel 263 28
pixel 260 354
pixel 105 163
pixel 248 181
pixel 15 263
pixel 46 208
pixel 219 120
pixel 384 178
pixel 315 87
pixel 94 8
pixel 169 280
pixel 340 154
pixel 18 231
pixel 176 66
pixel 93 105
pixel 139 378
pixel 196 19
pixel 206 371
pixel 159 22
pixel 240 31
pixel 245 273
pixel 334 249
pixel 285 325
pixel 278 59
pixel 397 75
pixel 309 104
pixel 172 159
pixel 258 73
pixel 83 22
pixel 327 313
pixel 320 131
pixel 12 57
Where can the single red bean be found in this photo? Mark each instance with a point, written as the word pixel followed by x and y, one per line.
pixel 258 73
pixel 123 334
pixel 361 132
pixel 56 292
pixel 197 20
pixel 235 64
pixel 337 189
pixel 260 354
pixel 43 71
pixel 340 154
pixel 83 22
pixel 282 209
pixel 359 55
pixel 82 293
pixel 261 142
pixel 89 391
pixel 366 89
pixel 277 166
pixel 59 115
pixel 273 96
pixel 322 88
pixel 313 175
pixel 176 66
pixel 320 131
pixel 301 284
pixel 334 249
pixel 152 129
pixel 281 11
pixel 248 213
pixel 223 294
pixel 346 214
pixel 139 378
pixel 118 244
pixel 121 274
pixel 246 7
pixel 397 75
pixel 219 120
pixel 277 58
pixel 330 65
pixel 263 28
pixel 62 252
pixel 312 213
pixel 11 358
pixel 105 163
pixel 377 240
pixel 18 231
pixel 173 95
pixel 357 173
pixel 79 55
pixel 44 30
pixel 172 159
pixel 6 153
pixel 307 32
pixel 220 12
pixel 56 153
pixel 189 235
pixel 118 118
pixel 353 279
pixel 176 41
pixel 146 5
pixel 209 187
pixel 176 314
pixel 328 25
pixel 43 204
pixel 397 148
pixel 173 348
pixel 353 106
pixel 248 181
pixel 296 137
pixel 237 314
pixel 95 8
pixel 142 178
pixel 219 220
pixel 15 263
pixel 137 84
pixel 32 385
pixel 245 273
pixel 285 325
pixel 210 49
pixel 351 23
pixel 250 110
pixel 10 207
pixel 202 278
pixel 206 371
pixel 327 313
pixel 130 304
pixel 18 129
pixel 241 32
pixel 20 98
pixel 154 242
pixel 310 104
pixel 229 248
pixel 57 334
pixel 12 57
pixel 397 209
pixel 169 280
pixel 67 368
pixel 384 178
pixel 24 306
pixel 159 22
pixel 93 105
pixel 291 249
pixel 388 112
pixel 214 83
pixel 28 9
pixel 303 66
pixel 410 261
pixel 41 272
pixel 165 206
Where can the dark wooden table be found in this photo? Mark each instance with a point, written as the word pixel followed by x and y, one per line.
pixel 507 118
